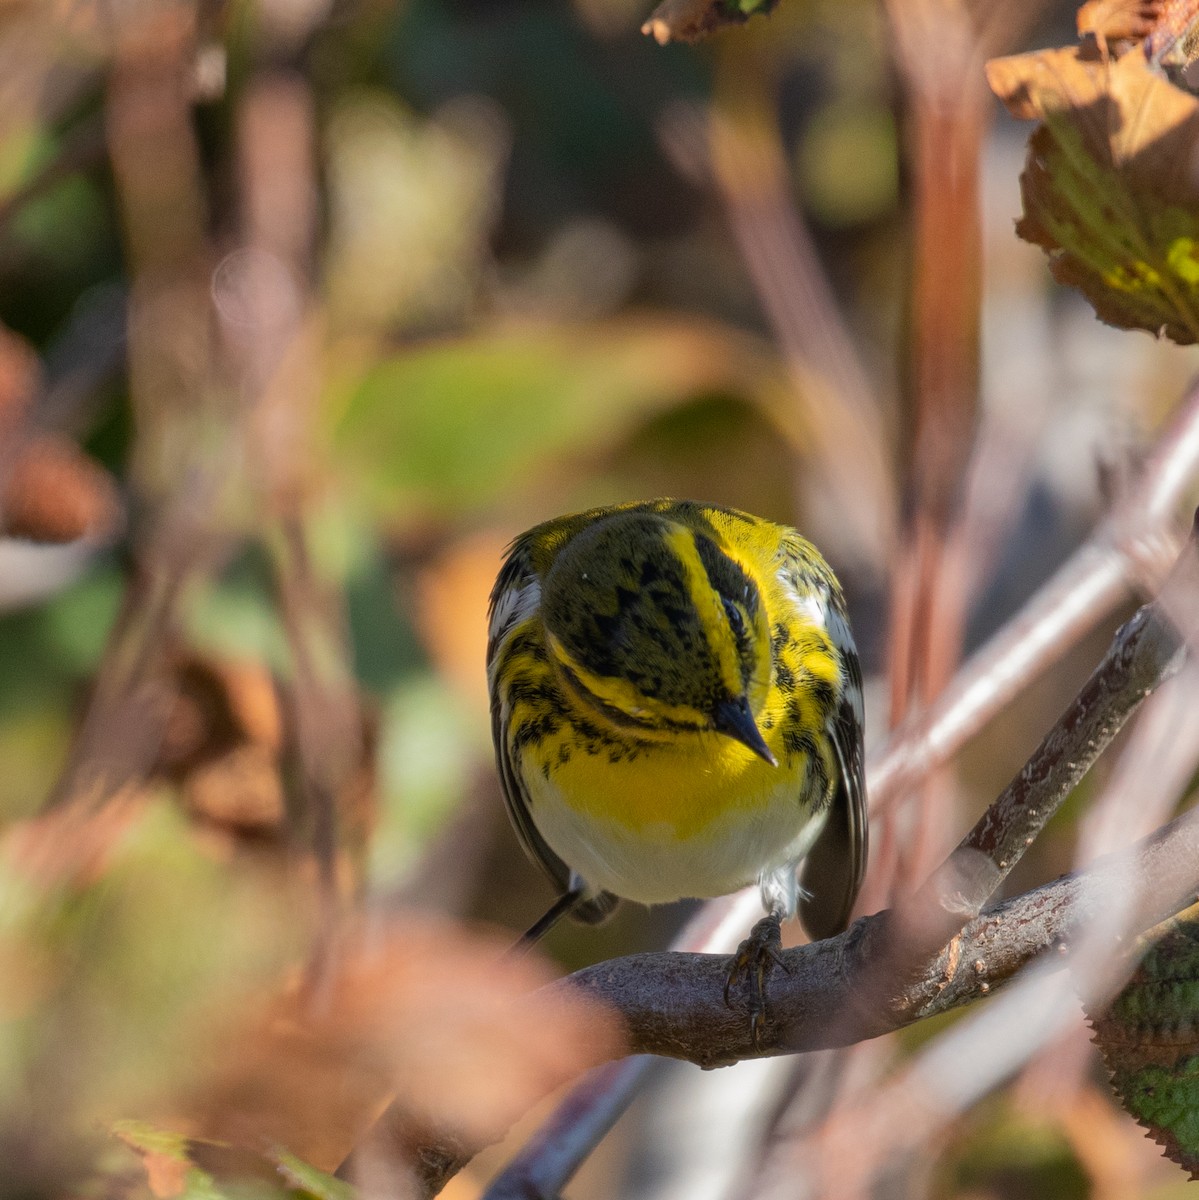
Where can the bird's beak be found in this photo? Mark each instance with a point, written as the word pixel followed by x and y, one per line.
pixel 733 718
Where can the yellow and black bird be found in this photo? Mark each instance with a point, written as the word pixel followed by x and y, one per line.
pixel 676 705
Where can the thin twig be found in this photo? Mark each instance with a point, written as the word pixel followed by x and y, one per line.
pixel 736 151
pixel 593 1106
pixel 932 1090
pixel 81 149
pixel 1132 546
pixel 555 1151
pixel 1144 652
pixel 179 479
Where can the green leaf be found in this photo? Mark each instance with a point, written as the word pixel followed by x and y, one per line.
pixel 444 429
pixel 171 1173
pixel 167 1159
pixel 152 1139
pixel 308 1180
pixel 1149 1039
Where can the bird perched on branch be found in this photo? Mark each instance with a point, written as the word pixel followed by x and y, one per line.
pixel 676 705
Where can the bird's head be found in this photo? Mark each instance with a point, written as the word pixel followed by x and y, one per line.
pixel 658 629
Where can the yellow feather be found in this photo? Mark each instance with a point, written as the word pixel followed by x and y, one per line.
pixel 622 641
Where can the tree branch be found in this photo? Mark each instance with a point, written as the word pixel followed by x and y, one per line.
pixel 1131 546
pixel 1145 651
pixel 554 1152
pixel 671 1003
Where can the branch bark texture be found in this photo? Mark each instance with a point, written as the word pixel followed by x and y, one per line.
pixel 671 1002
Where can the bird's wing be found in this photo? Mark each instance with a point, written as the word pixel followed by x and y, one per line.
pixel 514 601
pixel 834 867
pixel 832 870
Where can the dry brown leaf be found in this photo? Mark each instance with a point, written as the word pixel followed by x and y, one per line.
pixel 20 375
pixel 421 1012
pixel 166 1176
pixel 681 21
pixel 52 492
pixel 240 791
pixel 693 20
pixel 70 845
pixel 1118 20
pixel 223 743
pixel 1110 187
pixel 220 703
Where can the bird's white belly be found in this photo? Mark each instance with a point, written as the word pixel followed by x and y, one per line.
pixel 654 865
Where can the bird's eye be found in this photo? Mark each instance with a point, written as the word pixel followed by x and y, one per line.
pixel 736 620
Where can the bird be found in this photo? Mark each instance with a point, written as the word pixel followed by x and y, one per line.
pixel 677 712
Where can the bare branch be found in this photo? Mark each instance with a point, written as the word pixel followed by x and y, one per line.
pixel 554 1153
pixel 671 1003
pixel 1131 547
pixel 1146 650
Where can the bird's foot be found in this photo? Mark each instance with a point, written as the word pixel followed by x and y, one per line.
pixel 751 964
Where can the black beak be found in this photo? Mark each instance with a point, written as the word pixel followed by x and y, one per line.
pixel 733 718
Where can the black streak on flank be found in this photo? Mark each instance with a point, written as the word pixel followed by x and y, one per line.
pixel 797 739
pixel 818 776
pixel 530 645
pixel 536 692
pixel 823 693
pixel 530 732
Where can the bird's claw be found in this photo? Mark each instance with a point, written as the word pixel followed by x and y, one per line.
pixel 752 962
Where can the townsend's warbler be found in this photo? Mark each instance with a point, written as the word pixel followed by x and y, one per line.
pixel 676 705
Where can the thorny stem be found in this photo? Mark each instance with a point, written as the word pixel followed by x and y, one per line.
pixel 1145 652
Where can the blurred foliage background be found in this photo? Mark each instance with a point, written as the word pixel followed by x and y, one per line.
pixel 309 306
